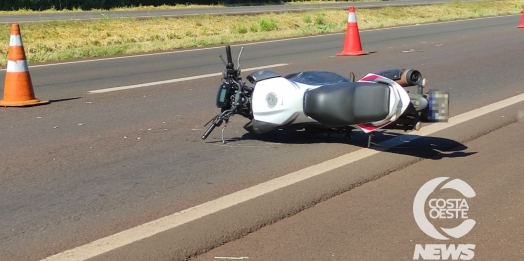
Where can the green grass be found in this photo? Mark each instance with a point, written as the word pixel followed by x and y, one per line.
pixel 62 40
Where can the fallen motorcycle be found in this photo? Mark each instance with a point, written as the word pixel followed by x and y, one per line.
pixel 327 101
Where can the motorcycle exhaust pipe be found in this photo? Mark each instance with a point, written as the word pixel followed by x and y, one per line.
pixel 410 78
pixel 405 77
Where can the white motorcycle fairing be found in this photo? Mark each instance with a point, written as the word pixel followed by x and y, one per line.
pixel 279 101
pixel 292 100
pixel 401 96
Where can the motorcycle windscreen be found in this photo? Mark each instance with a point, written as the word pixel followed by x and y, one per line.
pixel 344 104
pixel 438 103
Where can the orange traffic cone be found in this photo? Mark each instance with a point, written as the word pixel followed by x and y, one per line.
pixel 522 20
pixel 352 44
pixel 18 88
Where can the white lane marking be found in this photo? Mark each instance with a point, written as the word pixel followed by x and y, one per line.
pixel 255 43
pixel 232 257
pixel 152 228
pixel 180 79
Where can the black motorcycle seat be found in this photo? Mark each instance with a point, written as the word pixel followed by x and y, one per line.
pixel 347 103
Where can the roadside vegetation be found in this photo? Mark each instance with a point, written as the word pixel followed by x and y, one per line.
pixel 94 5
pixel 62 40
pixel 184 5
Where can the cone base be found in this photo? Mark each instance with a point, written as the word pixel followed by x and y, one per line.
pixel 353 53
pixel 520 26
pixel 22 103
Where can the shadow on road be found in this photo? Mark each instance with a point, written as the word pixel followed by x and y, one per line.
pixel 417 146
pixel 66 99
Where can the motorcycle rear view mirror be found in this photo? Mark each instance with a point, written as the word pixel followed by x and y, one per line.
pixel 238 59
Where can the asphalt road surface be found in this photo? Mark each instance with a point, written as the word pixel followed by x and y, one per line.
pixel 21 18
pixel 375 221
pixel 90 165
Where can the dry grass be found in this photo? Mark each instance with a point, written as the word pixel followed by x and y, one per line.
pixel 60 40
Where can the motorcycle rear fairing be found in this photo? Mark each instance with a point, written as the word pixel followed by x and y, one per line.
pixel 401 102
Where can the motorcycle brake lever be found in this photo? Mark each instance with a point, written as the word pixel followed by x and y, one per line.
pixel 211 120
pixel 216 122
pixel 225 64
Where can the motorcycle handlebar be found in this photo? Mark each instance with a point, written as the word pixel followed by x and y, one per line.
pixel 209 130
pixel 229 59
